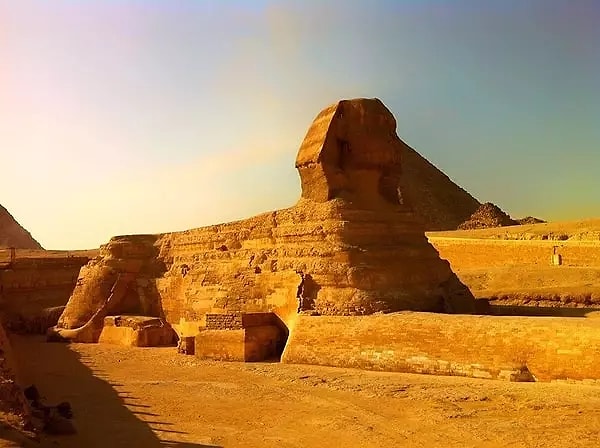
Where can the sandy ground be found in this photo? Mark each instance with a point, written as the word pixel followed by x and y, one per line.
pixel 150 397
pixel 567 287
pixel 511 276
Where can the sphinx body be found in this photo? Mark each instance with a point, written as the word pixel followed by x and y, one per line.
pixel 351 245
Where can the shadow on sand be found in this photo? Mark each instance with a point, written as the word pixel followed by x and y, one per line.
pixel 102 417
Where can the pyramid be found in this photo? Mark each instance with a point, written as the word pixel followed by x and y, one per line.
pixel 13 235
pixel 435 198
pixel 486 216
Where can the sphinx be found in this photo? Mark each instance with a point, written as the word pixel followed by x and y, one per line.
pixel 351 245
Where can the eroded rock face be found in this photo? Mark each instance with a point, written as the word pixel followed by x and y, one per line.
pixel 134 257
pixel 350 246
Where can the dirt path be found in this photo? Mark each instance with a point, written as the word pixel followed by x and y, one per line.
pixel 136 397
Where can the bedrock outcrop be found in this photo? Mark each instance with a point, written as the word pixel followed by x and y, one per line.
pixel 352 245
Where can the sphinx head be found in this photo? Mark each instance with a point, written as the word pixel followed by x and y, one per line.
pixel 352 152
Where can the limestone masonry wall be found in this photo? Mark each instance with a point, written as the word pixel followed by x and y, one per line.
pixel 464 253
pixel 475 346
pixel 520 272
pixel 229 321
pixel 29 286
pixel 136 331
pixel 221 345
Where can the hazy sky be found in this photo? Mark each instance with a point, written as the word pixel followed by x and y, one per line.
pixel 144 116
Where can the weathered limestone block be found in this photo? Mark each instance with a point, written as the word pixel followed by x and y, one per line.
pixel 244 337
pixel 137 331
pixel 350 246
pixel 221 345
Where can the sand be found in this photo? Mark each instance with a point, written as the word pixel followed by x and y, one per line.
pixel 151 397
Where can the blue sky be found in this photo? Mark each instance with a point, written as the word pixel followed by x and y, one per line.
pixel 148 116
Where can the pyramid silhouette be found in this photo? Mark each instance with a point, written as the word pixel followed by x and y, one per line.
pixel 13 235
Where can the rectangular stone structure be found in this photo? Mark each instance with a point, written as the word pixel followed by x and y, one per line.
pixel 246 337
pixel 137 331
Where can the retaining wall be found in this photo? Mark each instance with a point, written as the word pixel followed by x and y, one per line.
pixel 464 253
pixel 463 345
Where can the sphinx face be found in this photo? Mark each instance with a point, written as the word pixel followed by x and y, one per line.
pixel 352 152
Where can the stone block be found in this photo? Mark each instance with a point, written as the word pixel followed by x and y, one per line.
pixel 137 331
pixel 240 337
